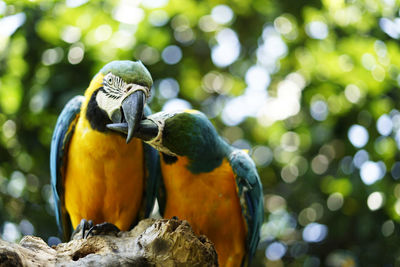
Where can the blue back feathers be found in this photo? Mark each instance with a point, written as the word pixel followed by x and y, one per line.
pixel 58 155
pixel 251 195
pixel 154 178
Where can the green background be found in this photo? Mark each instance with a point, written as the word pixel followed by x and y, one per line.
pixel 309 87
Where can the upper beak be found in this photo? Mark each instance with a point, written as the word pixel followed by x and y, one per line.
pixel 132 107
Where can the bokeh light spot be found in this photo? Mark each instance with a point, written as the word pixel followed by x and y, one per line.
pixel 128 12
pixel 227 50
pixel 283 25
pixel 257 78
pixel 388 228
pixel 317 30
pixel 384 125
pixel 158 18
pixel 262 155
pixel 289 173
pixel 9 128
pixel 154 3
pixel 52 56
pixel 176 104
pixel 375 200
pixel 75 3
pixel 207 24
pixel 360 157
pixel 319 164
pixel 17 184
pixel 26 227
pixel 315 232
pixel 319 110
pixel 274 203
pixel 168 88
pixel 390 27
pixel 335 201
pixel 358 135
pixel 71 34
pixel 9 24
pixel 103 33
pixel 352 93
pixel 10 232
pixel 290 141
pixel 171 54
pixel 368 61
pixel 273 48
pixel 231 114
pixel 148 55
pixel 222 14
pixel 275 251
pixel 184 35
pixel 75 54
pixel 371 172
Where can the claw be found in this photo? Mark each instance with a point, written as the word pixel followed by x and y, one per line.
pixel 103 228
pixel 83 226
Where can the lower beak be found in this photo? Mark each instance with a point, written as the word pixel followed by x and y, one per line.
pixel 146 131
pixel 132 107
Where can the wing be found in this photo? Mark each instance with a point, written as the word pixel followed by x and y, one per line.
pixel 251 196
pixel 58 156
pixel 154 178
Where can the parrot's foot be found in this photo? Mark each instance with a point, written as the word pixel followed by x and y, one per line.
pixel 102 229
pixel 83 226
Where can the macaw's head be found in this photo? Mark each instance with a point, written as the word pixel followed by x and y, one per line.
pixel 124 91
pixel 184 133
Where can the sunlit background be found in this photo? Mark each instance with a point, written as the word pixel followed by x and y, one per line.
pixel 311 88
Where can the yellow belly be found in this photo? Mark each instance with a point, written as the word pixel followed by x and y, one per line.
pixel 209 202
pixel 104 178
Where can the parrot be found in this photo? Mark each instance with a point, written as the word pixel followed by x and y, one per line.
pixel 99 175
pixel 212 185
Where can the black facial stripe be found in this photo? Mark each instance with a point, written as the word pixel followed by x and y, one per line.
pixel 97 117
pixel 113 96
pixel 112 92
pixel 108 93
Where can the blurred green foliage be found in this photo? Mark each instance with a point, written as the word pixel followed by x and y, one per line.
pixel 310 87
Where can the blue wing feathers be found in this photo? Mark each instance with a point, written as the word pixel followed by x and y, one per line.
pixel 60 140
pixel 153 180
pixel 250 192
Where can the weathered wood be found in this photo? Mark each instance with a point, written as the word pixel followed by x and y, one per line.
pixel 151 243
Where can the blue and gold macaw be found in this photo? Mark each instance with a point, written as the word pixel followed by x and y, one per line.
pixel 97 174
pixel 210 184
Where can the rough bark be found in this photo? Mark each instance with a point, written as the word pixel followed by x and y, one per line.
pixel 151 243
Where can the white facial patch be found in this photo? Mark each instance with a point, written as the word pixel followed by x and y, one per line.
pixel 108 104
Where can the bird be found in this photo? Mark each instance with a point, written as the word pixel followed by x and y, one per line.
pixel 99 175
pixel 212 185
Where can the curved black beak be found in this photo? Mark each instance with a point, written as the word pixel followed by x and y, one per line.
pixel 132 107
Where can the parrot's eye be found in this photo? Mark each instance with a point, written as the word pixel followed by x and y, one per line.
pixel 110 80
